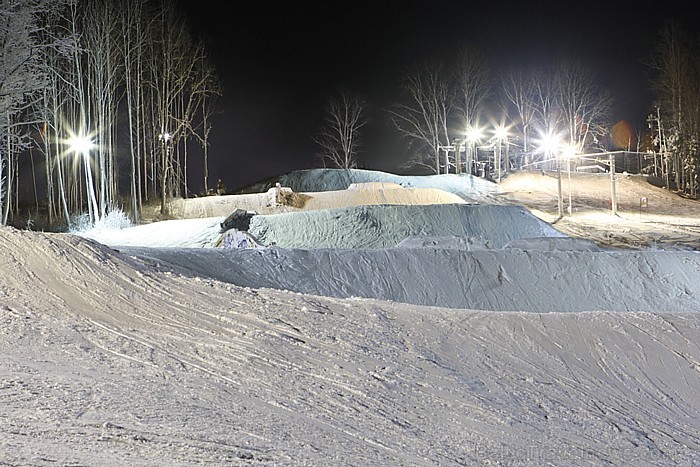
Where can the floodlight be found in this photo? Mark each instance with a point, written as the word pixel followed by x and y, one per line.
pixel 501 132
pixel 473 134
pixel 80 144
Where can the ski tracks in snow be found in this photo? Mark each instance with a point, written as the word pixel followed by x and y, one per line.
pixel 122 361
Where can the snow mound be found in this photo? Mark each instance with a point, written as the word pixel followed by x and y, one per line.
pixel 492 280
pixel 387 226
pixel 215 206
pixel 187 233
pixel 283 199
pixel 468 187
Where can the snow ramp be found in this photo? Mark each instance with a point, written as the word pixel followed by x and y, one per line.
pixel 387 226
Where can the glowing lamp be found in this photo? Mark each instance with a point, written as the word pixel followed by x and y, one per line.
pixel 80 144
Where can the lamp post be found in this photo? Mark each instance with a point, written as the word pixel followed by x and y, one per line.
pixel 165 138
pixel 569 152
pixel 550 144
pixel 501 134
pixel 81 145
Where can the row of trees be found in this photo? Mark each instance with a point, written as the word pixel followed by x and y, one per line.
pixel 441 102
pixel 110 92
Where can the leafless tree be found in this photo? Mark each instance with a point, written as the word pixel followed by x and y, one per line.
pixel 520 89
pixel 423 118
pixel 207 89
pixel 584 106
pixel 339 138
pixel 472 82
pixel 175 86
pixel 74 68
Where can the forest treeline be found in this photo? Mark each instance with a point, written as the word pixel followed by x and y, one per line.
pixel 79 79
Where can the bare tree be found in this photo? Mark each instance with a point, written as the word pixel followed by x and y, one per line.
pixel 521 91
pixel 339 138
pixel 134 22
pixel 584 106
pixel 170 79
pixel 473 85
pixel 424 117
pixel 207 89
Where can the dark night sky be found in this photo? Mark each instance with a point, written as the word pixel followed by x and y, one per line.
pixel 279 63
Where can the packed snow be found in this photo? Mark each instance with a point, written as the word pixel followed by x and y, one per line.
pixel 387 226
pixel 511 279
pixel 154 347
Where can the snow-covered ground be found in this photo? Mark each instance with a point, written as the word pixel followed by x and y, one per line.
pixel 155 356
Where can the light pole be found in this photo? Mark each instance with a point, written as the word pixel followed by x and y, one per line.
pixel 501 134
pixel 550 145
pixel 569 151
pixel 81 145
pixel 165 138
pixel 473 137
pixel 459 146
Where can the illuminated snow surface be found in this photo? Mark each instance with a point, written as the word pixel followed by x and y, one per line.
pixel 154 356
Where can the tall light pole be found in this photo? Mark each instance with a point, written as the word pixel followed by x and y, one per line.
pixel 550 145
pixel 165 138
pixel 81 145
pixel 569 152
pixel 501 134
pixel 473 137
pixel 613 190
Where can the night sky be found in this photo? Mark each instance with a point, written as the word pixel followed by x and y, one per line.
pixel 279 63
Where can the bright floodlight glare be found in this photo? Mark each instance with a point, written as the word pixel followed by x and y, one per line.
pixel 80 144
pixel 549 143
pixel 500 132
pixel 473 134
pixel 165 136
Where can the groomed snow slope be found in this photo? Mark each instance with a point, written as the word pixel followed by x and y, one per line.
pixel 387 226
pixel 107 361
pixel 513 279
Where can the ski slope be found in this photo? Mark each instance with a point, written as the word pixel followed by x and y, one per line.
pixel 108 360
